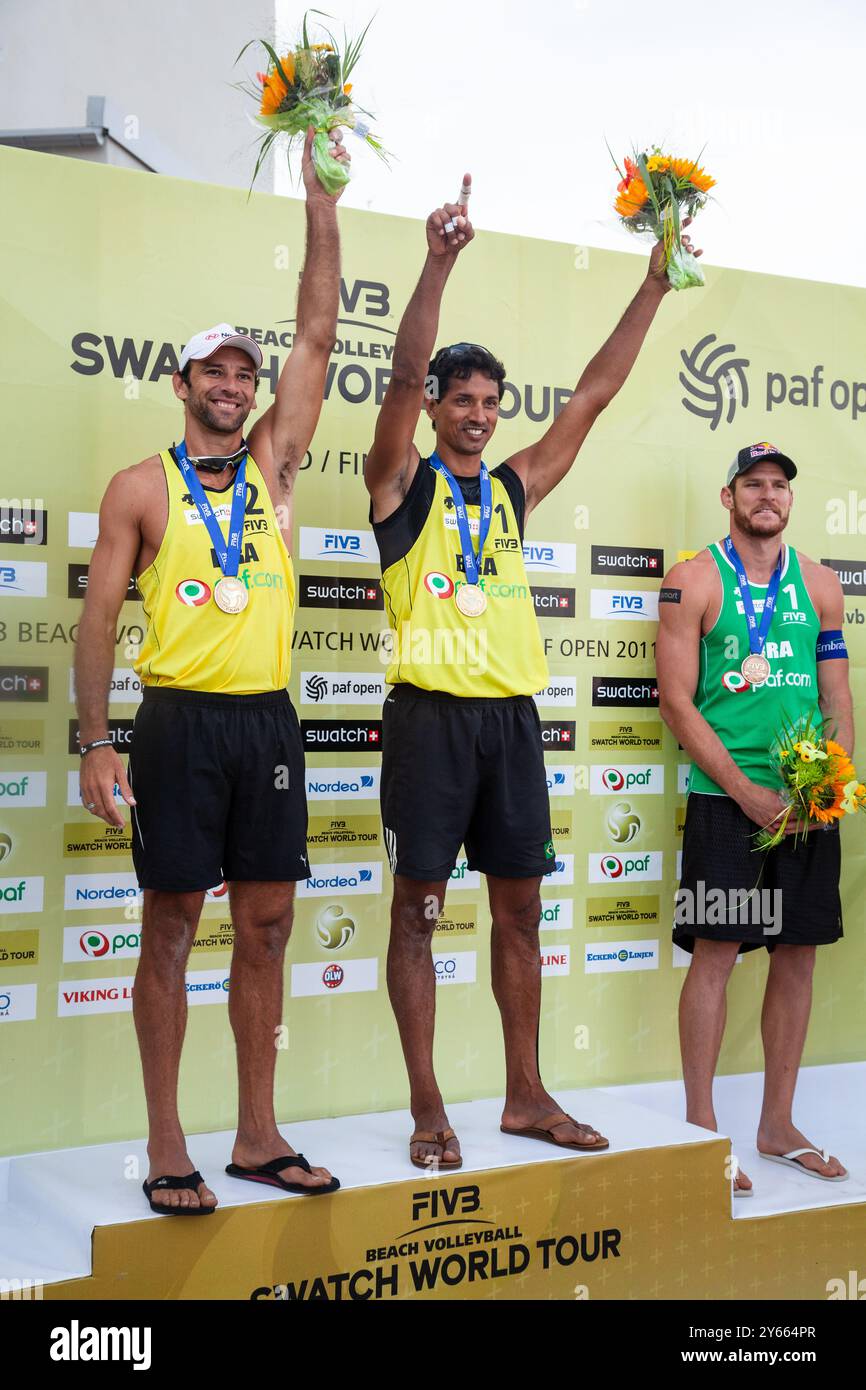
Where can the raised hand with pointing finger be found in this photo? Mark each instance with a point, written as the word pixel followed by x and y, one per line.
pixel 449 228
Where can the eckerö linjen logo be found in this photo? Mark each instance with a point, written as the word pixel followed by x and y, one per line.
pixel 715 379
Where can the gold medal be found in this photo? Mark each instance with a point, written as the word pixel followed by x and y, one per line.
pixel 230 594
pixel 471 600
pixel 755 668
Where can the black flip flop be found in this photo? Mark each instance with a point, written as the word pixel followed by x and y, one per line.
pixel 192 1180
pixel 268 1173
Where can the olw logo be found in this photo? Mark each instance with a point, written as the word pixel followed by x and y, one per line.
pixel 715 380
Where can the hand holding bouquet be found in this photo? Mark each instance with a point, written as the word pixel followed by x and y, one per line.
pixel 656 196
pixel 818 781
pixel 310 87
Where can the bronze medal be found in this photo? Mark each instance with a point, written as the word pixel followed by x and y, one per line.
pixel 230 594
pixel 755 668
pixel 471 600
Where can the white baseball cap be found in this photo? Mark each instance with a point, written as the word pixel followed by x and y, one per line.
pixel 203 344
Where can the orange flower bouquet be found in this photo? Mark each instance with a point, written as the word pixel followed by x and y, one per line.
pixel 309 86
pixel 654 194
pixel 818 780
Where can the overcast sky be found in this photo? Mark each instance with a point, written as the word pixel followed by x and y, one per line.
pixel 524 95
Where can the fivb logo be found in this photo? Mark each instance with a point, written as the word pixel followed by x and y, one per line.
pixel 321 543
pixel 100 890
pixel 23 788
pixel 632 604
pixel 560 780
pixel 613 868
pixel 343 878
pixel 550 557
pixel 24 579
pixel 343 783
pixel 642 778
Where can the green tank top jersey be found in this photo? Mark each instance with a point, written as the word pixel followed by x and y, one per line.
pixel 747 717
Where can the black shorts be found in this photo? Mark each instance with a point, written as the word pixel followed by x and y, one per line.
pixel 219 786
pixel 797 899
pixel 458 770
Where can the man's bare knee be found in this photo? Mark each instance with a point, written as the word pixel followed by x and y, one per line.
pixel 714 959
pixel 265 941
pixel 169 923
pixel 416 907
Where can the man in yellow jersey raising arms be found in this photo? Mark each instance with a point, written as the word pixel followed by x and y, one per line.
pixel 216 773
pixel 462 753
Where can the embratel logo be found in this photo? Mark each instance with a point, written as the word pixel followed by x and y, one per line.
pixel 22 683
pixel 439 585
pixel 627 559
pixel 22 522
pixel 341 735
pixel 715 379
pixel 623 823
pixel 852 574
pixel 193 593
pixel 24 579
pixel 553 603
pixel 315 592
pixel 614 690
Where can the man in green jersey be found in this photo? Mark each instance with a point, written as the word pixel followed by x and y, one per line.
pixel 749 638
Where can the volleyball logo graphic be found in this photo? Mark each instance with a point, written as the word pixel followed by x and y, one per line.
pixel 438 584
pixel 623 823
pixel 334 928
pixel 735 681
pixel 5 846
pixel 192 592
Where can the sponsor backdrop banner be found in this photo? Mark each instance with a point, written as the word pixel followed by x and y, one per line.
pixel 113 272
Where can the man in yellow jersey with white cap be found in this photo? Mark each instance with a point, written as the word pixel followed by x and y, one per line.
pixel 216 773
pixel 462 753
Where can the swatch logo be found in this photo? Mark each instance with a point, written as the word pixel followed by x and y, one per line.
pixel 343 735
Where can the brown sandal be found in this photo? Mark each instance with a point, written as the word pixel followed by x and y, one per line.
pixel 543 1130
pixel 431 1163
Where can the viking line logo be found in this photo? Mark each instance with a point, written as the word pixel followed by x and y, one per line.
pixel 193 592
pixel 735 681
pixel 439 585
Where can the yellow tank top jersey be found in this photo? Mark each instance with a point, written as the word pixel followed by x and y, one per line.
pixel 190 643
pixel 436 647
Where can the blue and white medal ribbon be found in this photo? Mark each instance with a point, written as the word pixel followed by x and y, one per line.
pixel 229 593
pixel 755 668
pixel 470 598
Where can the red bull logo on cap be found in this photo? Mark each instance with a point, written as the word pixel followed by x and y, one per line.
pixel 758 450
